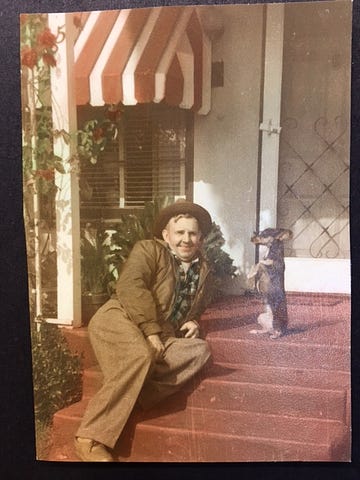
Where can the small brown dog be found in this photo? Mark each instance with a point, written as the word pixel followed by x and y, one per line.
pixel 267 277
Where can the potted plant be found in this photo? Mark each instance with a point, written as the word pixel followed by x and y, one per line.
pixel 96 270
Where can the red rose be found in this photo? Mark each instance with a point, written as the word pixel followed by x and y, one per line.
pixel 49 59
pixel 28 57
pixel 98 134
pixel 46 174
pixel 46 38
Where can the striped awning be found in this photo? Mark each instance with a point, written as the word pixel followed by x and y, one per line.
pixel 143 55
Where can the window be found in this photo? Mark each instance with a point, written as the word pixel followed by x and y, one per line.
pixel 151 157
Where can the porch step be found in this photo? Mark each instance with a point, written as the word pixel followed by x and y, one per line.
pixel 262 400
pixel 248 374
pixel 239 388
pixel 241 347
pixel 265 352
pixel 199 434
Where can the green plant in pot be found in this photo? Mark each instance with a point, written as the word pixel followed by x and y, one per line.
pixel 96 270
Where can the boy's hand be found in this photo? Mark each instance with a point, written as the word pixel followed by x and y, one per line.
pixel 156 346
pixel 191 328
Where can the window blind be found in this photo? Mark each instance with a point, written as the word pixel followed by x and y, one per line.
pixel 148 159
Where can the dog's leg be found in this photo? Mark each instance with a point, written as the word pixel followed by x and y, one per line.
pixel 251 277
pixel 280 320
pixel 265 320
pixel 276 334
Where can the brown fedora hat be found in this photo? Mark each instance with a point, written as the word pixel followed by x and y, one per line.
pixel 179 207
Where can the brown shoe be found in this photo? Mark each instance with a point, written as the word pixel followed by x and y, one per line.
pixel 91 451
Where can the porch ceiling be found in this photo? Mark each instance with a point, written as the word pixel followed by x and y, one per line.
pixel 143 55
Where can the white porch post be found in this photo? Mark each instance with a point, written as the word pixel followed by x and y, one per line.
pixel 67 199
pixel 270 125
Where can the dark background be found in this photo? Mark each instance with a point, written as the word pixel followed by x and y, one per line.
pixel 17 446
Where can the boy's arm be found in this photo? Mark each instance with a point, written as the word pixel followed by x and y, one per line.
pixel 133 287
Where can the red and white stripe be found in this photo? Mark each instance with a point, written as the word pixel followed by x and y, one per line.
pixel 144 55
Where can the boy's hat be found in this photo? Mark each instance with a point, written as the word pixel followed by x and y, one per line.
pixel 179 207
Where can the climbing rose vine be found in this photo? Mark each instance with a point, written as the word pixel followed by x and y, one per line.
pixel 38 42
pixel 39 46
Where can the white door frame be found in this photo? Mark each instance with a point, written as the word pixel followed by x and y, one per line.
pixel 270 125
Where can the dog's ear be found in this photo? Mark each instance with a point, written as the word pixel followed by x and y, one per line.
pixel 283 234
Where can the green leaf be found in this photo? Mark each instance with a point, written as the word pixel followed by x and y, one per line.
pixel 57 373
pixel 58 164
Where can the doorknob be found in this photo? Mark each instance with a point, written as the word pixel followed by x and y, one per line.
pixel 270 128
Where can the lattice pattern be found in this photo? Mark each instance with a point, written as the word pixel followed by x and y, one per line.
pixel 313 197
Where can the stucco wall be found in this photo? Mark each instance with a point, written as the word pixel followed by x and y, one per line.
pixel 226 140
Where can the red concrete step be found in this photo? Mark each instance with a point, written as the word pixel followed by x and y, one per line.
pixel 329 333
pixel 304 301
pixel 232 347
pixel 316 323
pixel 322 379
pixel 258 351
pixel 308 393
pixel 263 400
pixel 264 374
pixel 271 399
pixel 313 319
pixel 279 353
pixel 289 375
pixel 200 434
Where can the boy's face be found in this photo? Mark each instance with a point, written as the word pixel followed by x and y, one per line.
pixel 184 237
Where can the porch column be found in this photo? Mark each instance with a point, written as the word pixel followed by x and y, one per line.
pixel 270 124
pixel 67 198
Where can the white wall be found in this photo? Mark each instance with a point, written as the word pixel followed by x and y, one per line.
pixel 334 275
pixel 227 139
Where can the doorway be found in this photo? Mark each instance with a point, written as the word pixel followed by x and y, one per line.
pixel 305 140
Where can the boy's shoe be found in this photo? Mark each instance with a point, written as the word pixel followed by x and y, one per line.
pixel 91 451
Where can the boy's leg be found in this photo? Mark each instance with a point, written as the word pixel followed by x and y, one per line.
pixel 125 361
pixel 183 358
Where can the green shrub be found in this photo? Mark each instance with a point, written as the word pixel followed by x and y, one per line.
pixel 57 374
pixel 221 262
pixel 95 261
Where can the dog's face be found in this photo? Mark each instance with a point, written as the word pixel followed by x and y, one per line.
pixel 267 236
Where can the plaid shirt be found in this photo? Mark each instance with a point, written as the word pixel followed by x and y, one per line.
pixel 185 290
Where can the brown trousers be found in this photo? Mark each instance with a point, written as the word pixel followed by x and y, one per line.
pixel 130 373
